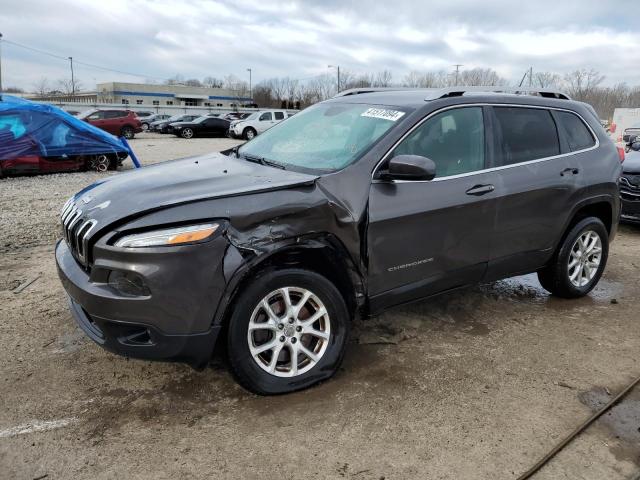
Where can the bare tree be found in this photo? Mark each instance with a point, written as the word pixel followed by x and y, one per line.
pixel 212 82
pixel 68 87
pixel 193 82
pixel 383 79
pixel 41 86
pixel 580 83
pixel 547 80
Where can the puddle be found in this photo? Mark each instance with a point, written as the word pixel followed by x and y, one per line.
pixel 622 421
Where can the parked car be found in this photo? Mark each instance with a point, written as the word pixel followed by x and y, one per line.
pixel 256 123
pixel 630 181
pixel 157 117
pixel 200 127
pixel 634 130
pixel 123 123
pixel 38 138
pixel 162 125
pixel 143 114
pixel 352 206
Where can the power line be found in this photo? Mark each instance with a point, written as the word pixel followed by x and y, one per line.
pixel 91 65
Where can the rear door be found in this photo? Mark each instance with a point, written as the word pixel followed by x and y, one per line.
pixel 534 183
pixel 429 236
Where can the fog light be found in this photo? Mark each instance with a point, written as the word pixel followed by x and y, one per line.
pixel 128 284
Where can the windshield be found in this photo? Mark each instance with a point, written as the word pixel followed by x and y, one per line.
pixel 174 118
pixel 324 138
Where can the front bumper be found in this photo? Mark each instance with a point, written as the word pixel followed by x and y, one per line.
pixel 173 322
pixel 629 203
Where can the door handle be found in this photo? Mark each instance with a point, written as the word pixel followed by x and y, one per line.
pixel 480 190
pixel 572 170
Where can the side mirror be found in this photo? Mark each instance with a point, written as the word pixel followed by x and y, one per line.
pixel 411 167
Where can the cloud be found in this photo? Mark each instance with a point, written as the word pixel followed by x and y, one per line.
pixel 159 38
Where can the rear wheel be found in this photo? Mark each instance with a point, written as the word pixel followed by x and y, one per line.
pixel 127 132
pixel 579 262
pixel 288 331
pixel 249 133
pixel 187 133
pixel 99 163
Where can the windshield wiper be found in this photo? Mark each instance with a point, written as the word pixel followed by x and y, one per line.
pixel 263 161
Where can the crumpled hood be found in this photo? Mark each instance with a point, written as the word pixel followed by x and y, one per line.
pixel 180 181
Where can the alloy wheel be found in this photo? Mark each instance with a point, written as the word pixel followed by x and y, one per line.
pixel 585 258
pixel 289 332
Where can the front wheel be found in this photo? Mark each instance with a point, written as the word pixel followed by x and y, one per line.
pixel 187 133
pixel 249 133
pixel 578 264
pixel 145 126
pixel 127 132
pixel 288 331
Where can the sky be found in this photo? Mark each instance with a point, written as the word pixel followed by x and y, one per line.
pixel 157 39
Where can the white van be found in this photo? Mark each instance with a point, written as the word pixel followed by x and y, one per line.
pixel 256 123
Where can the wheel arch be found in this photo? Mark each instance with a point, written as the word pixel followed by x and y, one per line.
pixel 322 254
pixel 602 207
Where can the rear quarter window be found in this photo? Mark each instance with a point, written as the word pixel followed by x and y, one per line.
pixel 577 133
pixel 527 134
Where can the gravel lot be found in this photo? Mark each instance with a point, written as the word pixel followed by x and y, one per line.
pixel 475 384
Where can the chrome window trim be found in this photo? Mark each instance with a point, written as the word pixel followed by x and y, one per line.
pixel 484 170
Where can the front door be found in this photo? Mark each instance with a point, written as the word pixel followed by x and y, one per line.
pixel 429 236
pixel 265 122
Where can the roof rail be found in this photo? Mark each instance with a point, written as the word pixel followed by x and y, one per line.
pixel 434 94
pixel 359 90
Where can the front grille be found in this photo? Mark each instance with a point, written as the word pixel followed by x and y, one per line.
pixel 75 231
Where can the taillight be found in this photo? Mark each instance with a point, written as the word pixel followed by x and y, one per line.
pixel 621 154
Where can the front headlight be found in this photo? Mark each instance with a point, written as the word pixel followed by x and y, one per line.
pixel 169 236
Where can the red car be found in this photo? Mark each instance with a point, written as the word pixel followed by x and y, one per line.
pixel 122 123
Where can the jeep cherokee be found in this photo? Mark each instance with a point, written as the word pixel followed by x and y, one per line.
pixel 359 203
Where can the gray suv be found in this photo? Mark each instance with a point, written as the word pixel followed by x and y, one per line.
pixel 365 201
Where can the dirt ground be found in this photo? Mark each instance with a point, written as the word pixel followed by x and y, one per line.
pixel 475 384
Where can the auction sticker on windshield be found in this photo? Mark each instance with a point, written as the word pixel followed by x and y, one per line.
pixel 382 113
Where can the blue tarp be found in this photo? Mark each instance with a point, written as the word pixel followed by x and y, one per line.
pixel 29 128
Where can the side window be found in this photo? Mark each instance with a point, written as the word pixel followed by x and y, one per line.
pixel 527 134
pixel 95 116
pixel 279 115
pixel 577 133
pixel 265 116
pixel 453 139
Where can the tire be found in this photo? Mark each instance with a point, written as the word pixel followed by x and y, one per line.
pixel 249 133
pixel 145 126
pixel 566 281
pixel 327 344
pixel 99 163
pixel 127 132
pixel 187 133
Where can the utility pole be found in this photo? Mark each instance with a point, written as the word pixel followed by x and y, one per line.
pixel 337 67
pixel 73 82
pixel 530 77
pixel 457 65
pixel 0 67
pixel 250 90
